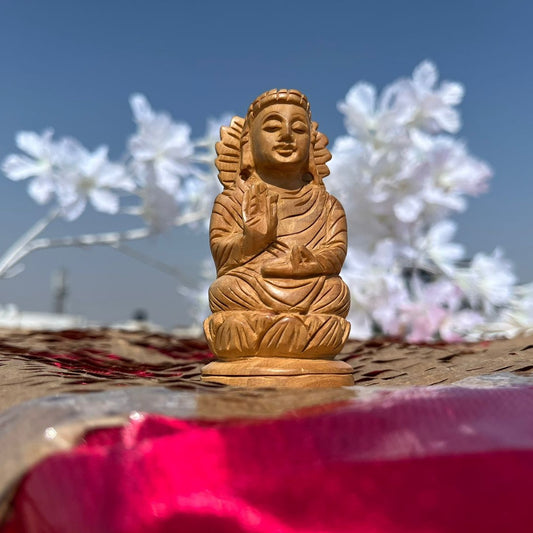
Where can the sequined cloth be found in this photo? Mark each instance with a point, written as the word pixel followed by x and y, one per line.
pixel 105 431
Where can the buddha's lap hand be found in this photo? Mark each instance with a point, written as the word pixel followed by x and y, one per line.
pixel 300 263
pixel 304 262
pixel 260 216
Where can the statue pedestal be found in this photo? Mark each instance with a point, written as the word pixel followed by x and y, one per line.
pixel 279 372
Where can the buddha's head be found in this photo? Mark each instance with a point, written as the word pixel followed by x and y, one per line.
pixel 277 138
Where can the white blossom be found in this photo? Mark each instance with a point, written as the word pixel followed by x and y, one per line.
pixel 422 320
pixel 200 193
pixel 399 174
pixel 434 249
pixel 359 109
pixel 64 169
pixel 40 158
pixel 377 291
pixel 455 170
pixel 159 208
pixel 91 177
pixel 461 325
pixel 450 173
pixel 350 182
pixel 512 320
pixel 161 145
pixel 488 281
pixel 212 134
pixel 41 155
pixel 436 312
pixel 431 108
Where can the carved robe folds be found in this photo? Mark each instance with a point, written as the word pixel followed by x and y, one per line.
pixel 256 313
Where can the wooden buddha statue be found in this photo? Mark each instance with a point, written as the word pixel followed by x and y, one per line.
pixel 278 240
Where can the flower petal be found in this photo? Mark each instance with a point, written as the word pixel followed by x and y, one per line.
pixel 34 144
pixel 408 209
pixel 142 112
pixel 362 97
pixel 425 75
pixel 93 162
pixel 451 92
pixel 74 210
pixel 104 200
pixel 448 119
pixel 19 167
pixel 41 190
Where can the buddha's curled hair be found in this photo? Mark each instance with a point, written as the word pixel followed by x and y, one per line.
pixel 234 157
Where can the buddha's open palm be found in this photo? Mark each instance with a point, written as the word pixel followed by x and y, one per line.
pixel 260 216
pixel 300 263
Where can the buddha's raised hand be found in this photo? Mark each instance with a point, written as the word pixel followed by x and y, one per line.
pixel 260 217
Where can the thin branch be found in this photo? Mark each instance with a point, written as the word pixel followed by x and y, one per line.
pixel 150 261
pixel 81 240
pixel 109 238
pixel 27 243
pixel 16 251
pixel 89 239
pixel 188 218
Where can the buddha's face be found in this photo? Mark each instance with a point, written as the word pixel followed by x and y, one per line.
pixel 280 136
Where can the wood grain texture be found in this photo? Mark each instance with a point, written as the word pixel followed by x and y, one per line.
pixel 260 372
pixel 278 239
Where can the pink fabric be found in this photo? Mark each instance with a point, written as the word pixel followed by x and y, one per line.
pixel 422 460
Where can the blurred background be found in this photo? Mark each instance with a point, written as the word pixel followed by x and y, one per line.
pixel 72 66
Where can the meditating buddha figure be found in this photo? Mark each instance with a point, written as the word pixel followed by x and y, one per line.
pixel 278 239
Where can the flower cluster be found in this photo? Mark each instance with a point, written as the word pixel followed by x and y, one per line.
pixel 400 174
pixel 68 172
pixel 163 167
pixel 167 177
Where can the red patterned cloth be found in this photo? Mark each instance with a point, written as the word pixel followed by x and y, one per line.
pixel 418 461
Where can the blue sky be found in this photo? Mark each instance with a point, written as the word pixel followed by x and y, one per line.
pixel 71 65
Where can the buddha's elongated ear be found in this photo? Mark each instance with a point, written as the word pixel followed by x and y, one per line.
pixel 247 159
pixel 228 150
pixel 320 154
